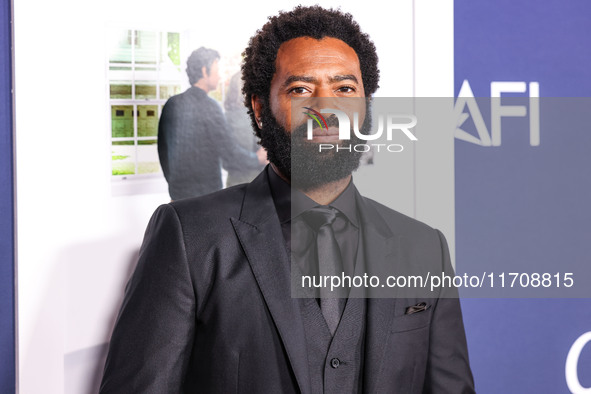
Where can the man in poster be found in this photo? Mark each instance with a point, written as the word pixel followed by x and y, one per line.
pixel 209 307
pixel 194 140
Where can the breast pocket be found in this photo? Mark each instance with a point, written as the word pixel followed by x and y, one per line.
pixel 412 321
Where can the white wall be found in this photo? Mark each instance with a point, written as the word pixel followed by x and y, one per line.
pixel 76 240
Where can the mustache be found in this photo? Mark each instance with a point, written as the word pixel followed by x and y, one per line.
pixel 302 129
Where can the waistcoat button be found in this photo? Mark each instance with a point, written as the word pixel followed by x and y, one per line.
pixel 335 362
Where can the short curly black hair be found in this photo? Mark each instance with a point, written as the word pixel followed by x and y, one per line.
pixel 199 58
pixel 258 67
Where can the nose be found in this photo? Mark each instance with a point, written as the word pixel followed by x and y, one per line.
pixel 324 98
pixel 324 91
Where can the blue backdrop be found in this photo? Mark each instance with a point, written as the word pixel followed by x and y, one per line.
pixel 520 202
pixel 7 364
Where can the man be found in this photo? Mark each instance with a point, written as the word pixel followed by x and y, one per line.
pixel 209 307
pixel 194 142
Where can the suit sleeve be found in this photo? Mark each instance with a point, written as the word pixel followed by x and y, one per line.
pixel 153 336
pixel 165 125
pixel 168 126
pixel 448 368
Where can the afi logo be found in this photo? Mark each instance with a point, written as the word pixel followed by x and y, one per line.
pixel 572 363
pixel 497 112
pixel 345 124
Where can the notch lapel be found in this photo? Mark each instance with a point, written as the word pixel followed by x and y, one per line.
pixel 259 232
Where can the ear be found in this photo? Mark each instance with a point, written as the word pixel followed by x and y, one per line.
pixel 257 108
pixel 204 72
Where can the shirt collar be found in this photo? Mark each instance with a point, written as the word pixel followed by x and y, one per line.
pixel 290 203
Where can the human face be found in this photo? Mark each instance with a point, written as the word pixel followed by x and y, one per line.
pixel 213 77
pixel 317 72
pixel 314 69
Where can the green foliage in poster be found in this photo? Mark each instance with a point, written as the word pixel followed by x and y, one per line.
pixel 174 51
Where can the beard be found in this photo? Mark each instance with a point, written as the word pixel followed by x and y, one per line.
pixel 300 159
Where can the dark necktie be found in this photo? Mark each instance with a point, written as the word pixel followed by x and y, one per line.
pixel 332 303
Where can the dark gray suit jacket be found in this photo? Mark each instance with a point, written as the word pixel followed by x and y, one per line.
pixel 208 308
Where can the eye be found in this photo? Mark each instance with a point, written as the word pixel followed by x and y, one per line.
pixel 298 90
pixel 346 89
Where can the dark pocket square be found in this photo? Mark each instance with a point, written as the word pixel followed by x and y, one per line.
pixel 420 307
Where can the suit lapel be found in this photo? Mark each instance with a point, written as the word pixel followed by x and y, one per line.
pixel 259 232
pixel 381 253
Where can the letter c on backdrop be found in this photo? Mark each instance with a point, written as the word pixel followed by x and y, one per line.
pixel 572 362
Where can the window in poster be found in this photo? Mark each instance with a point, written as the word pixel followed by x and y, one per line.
pixel 144 71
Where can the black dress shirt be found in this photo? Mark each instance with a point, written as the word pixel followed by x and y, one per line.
pixel 292 203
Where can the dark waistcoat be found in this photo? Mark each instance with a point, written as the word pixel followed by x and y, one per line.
pixel 336 363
